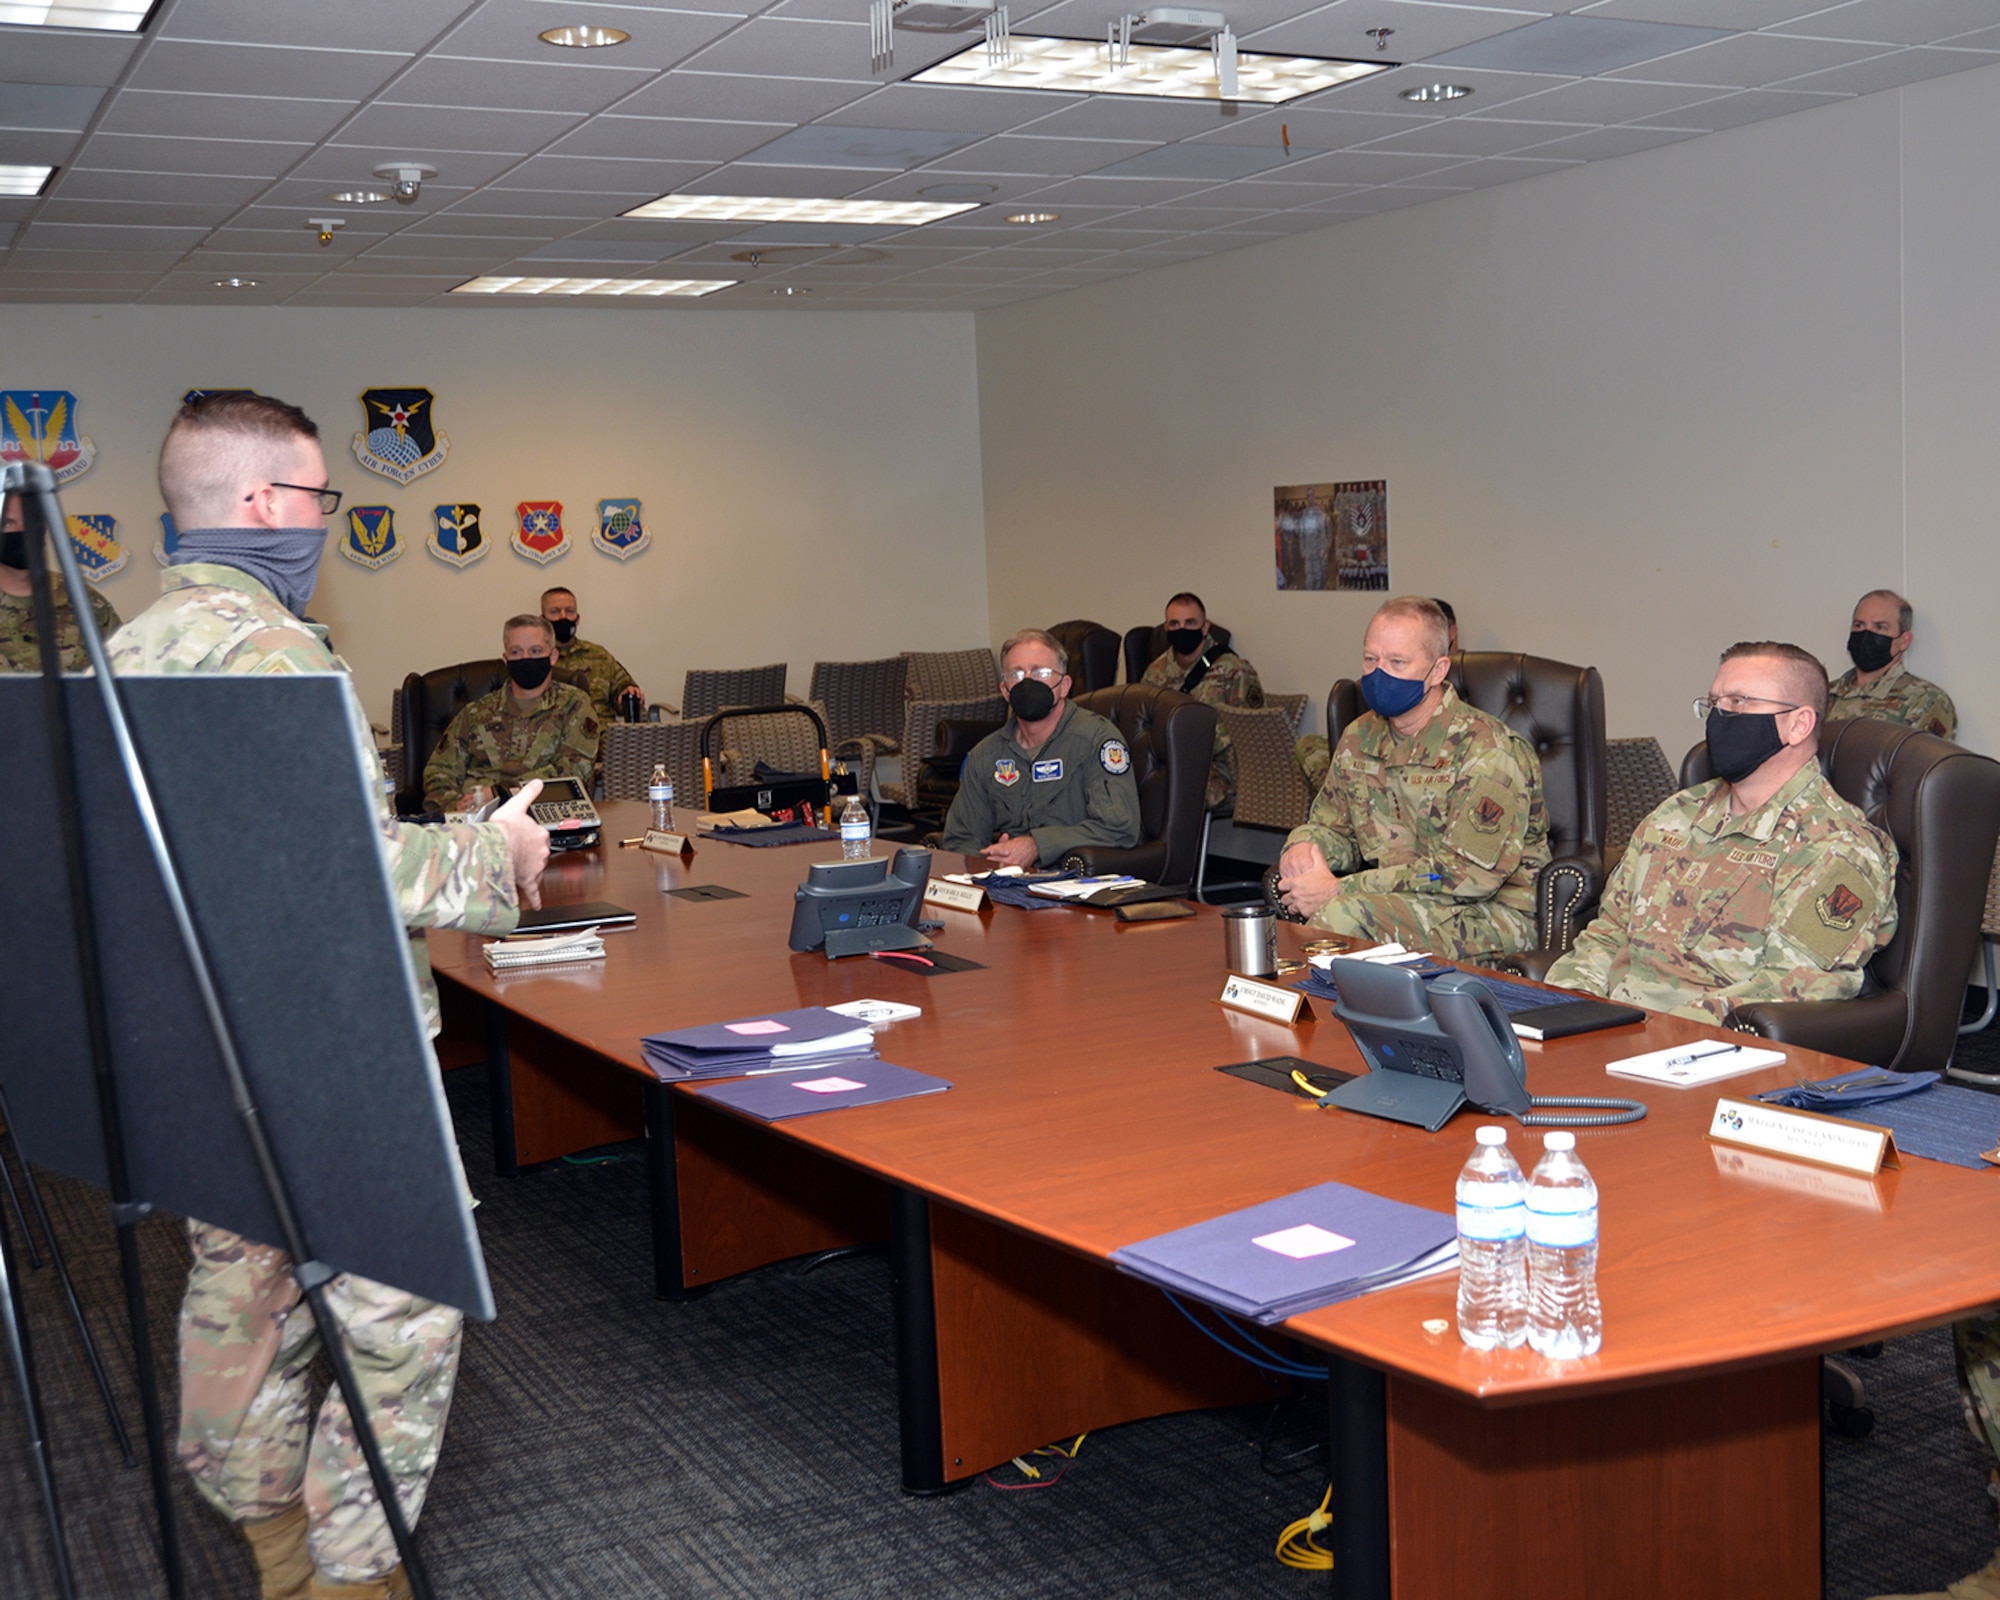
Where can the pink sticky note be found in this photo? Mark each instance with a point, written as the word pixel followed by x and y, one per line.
pixel 757 1027
pixel 1306 1240
pixel 828 1085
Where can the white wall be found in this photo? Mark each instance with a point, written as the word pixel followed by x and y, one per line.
pixel 1628 413
pixel 812 482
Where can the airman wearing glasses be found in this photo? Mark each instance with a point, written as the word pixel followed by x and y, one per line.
pixel 1053 778
pixel 1761 884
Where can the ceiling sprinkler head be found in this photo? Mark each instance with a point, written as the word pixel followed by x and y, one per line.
pixel 324 227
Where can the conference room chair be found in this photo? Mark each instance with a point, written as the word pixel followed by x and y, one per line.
pixel 1171 736
pixel 706 692
pixel 1143 645
pixel 1941 805
pixel 944 686
pixel 864 702
pixel 631 750
pixel 784 739
pixel 423 709
pixel 1989 930
pixel 1092 649
pixel 1637 778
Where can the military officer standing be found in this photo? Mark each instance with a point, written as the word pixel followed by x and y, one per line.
pixel 19 649
pixel 1878 684
pixel 1194 664
pixel 589 667
pixel 529 727
pixel 1430 827
pixel 1052 778
pixel 1761 884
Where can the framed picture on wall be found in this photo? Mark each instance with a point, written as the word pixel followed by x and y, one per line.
pixel 1332 535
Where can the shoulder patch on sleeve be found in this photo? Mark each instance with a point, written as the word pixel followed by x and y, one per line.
pixel 1839 909
pixel 1481 827
pixel 1114 757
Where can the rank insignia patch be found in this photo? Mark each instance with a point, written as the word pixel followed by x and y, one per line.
pixel 538 531
pixel 1114 757
pixel 95 541
pixel 399 438
pixel 619 530
pixel 1006 773
pixel 456 536
pixel 371 536
pixel 40 425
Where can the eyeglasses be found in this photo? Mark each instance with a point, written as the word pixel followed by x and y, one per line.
pixel 1014 675
pixel 329 499
pixel 1732 705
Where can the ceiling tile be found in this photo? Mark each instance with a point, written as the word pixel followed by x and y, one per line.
pixel 1278 195
pixel 1729 14
pixel 241 158
pixel 500 230
pixel 67 260
pixel 1598 100
pixel 1505 169
pixel 1216 162
pixel 1607 144
pixel 854 146
pixel 1891 71
pixel 1194 217
pixel 400 129
pixel 1384 94
pixel 394 25
pixel 1399 198
pixel 505 30
pixel 1579 46
pixel 444 247
pixel 819 183
pixel 76 185
pixel 1310 130
pixel 1421 31
pixel 1367 166
pixel 203 68
pixel 49 107
pixel 86 236
pixel 117 283
pixel 1115 191
pixel 38 149
pixel 731 97
pixel 542 203
pixel 517 86
pixel 793 49
pixel 1894 21
pixel 618 180
pixel 1469 136
pixel 1018 153
pixel 46 55
pixel 223 116
pixel 666 138
pixel 1001 187
pixel 1750 61
pixel 308 190
pixel 342 165
pixel 1736 110
pixel 927 105
pixel 159 214
pixel 628 252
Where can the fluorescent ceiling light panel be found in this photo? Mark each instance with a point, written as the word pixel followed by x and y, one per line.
pixel 109 16
pixel 1084 66
pixel 757 208
pixel 643 288
pixel 23 180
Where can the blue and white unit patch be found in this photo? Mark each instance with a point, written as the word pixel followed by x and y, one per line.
pixel 1049 771
pixel 1114 757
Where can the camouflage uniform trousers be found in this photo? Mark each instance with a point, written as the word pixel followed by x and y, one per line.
pixel 248 1435
pixel 1457 932
pixel 1976 1342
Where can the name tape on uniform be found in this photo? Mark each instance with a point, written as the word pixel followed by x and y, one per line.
pixel 954 896
pixel 1803 1136
pixel 1263 1000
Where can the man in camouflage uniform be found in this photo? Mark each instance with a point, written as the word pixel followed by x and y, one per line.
pixel 242 475
pixel 1761 884
pixel 586 666
pixel 20 649
pixel 529 727
pixel 1312 752
pixel 1054 777
pixel 1192 664
pixel 1878 684
pixel 1430 828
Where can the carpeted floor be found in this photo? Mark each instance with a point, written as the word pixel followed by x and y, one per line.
pixel 606 1445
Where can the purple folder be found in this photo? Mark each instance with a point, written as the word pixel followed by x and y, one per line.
pixel 854 1083
pixel 748 1044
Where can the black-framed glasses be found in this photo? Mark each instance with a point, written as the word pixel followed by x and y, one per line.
pixel 329 499
pixel 1734 705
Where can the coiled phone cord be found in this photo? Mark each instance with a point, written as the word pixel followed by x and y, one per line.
pixel 1606 1111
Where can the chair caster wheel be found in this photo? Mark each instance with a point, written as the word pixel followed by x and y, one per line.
pixel 1853 1422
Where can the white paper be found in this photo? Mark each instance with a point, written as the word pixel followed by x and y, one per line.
pixel 1713 1063
pixel 1303 1242
pixel 877 1011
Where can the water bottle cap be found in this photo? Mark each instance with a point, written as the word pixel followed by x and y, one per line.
pixel 1491 1134
pixel 1558 1141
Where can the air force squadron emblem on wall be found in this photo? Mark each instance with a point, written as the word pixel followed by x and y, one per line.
pixel 40 425
pixel 95 541
pixel 619 531
pixel 398 438
pixel 456 536
pixel 371 537
pixel 538 531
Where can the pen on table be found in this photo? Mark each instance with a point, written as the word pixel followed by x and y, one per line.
pixel 1701 1055
pixel 626 844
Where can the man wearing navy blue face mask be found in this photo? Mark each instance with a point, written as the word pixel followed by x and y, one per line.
pixel 1430 827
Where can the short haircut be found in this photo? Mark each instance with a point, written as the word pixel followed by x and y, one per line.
pixel 558 589
pixel 528 620
pixel 1450 615
pixel 1037 636
pixel 1437 632
pixel 1803 672
pixel 1904 615
pixel 218 444
pixel 1186 599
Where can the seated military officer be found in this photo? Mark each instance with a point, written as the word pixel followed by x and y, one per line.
pixel 1053 777
pixel 590 667
pixel 1194 664
pixel 19 650
pixel 530 727
pixel 1761 884
pixel 1430 827
pixel 1878 684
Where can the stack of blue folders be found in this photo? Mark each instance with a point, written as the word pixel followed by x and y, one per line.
pixel 778 1041
pixel 1314 1248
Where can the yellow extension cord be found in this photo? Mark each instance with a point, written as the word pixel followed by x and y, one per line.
pixel 1295 1545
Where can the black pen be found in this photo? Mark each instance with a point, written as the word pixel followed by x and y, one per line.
pixel 1701 1055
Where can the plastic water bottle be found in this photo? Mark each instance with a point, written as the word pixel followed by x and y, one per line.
pixel 854 830
pixel 660 792
pixel 1564 1317
pixel 1492 1246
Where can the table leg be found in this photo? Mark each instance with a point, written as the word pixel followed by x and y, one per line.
pixel 663 1192
pixel 500 1093
pixel 919 1416
pixel 1358 1467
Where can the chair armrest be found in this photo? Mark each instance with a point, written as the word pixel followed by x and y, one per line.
pixel 956 739
pixel 1869 1028
pixel 1140 860
pixel 1566 893
pixel 1528 963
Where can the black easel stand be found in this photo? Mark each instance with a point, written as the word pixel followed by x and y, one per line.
pixel 20 1360
pixel 44 513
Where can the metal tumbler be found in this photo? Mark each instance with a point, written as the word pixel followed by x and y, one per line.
pixel 1250 941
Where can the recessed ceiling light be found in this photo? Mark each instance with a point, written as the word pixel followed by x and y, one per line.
pixel 583 36
pixel 645 288
pixel 1029 218
pixel 24 180
pixel 108 16
pixel 1085 66
pixel 358 197
pixel 1426 93
pixel 959 191
pixel 757 208
pixel 789 290
pixel 236 283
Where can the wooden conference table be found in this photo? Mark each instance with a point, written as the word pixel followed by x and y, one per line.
pixel 1087 1114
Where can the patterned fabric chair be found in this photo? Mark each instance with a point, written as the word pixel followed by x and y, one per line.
pixel 865 702
pixel 632 749
pixel 1637 778
pixel 958 686
pixel 785 741
pixel 706 693
pixel 1271 792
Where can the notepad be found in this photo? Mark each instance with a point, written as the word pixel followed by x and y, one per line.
pixel 1563 1018
pixel 1690 1066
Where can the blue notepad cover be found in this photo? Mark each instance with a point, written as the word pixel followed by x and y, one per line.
pixel 781 1096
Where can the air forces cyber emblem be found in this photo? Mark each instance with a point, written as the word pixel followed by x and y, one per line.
pixel 371 537
pixel 619 531
pixel 538 531
pixel 95 541
pixel 456 537
pixel 40 425
pixel 398 438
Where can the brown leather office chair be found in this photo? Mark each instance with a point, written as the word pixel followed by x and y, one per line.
pixel 1941 804
pixel 1092 649
pixel 1171 736
pixel 424 708
pixel 1142 645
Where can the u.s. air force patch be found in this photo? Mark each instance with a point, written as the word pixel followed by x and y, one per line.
pixel 1838 909
pixel 1480 828
pixel 1114 757
pixel 1006 773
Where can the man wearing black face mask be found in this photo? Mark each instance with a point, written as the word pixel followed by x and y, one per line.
pixel 1761 884
pixel 1879 685
pixel 530 727
pixel 590 667
pixel 1054 777
pixel 1194 663
pixel 19 650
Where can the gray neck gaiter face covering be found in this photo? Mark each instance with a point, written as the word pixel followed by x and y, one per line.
pixel 284 560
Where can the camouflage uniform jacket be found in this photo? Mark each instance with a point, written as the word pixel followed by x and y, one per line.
pixel 214 618
pixel 1707 909
pixel 20 647
pixel 1074 788
pixel 1454 813
pixel 1229 681
pixel 491 741
pixel 594 670
pixel 1899 695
